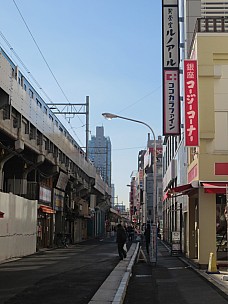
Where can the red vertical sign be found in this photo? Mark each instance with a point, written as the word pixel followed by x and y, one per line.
pixel 191 103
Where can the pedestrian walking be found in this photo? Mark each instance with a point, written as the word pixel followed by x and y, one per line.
pixel 130 233
pixel 147 237
pixel 121 238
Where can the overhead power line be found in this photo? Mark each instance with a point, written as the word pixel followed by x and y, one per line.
pixel 40 51
pixel 48 66
pixel 34 80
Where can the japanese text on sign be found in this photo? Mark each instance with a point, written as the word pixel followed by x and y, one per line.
pixel 171 102
pixel 191 103
pixel 170 36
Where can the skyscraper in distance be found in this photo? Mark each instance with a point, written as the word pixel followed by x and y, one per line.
pixel 100 154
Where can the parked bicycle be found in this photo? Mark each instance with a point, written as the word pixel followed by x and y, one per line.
pixel 62 240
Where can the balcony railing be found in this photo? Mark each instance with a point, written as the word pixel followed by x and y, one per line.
pixel 210 25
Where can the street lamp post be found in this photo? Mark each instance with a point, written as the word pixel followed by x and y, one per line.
pixel 111 116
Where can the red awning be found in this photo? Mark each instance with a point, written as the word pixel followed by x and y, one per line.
pixel 166 195
pixel 181 190
pixel 215 187
pixel 46 209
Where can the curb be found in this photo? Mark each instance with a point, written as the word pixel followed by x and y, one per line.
pixel 121 291
pixel 113 289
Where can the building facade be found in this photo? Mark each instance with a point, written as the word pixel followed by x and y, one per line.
pixel 195 177
pixel 142 205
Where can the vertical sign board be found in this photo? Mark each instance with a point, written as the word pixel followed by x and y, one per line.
pixel 191 103
pixel 170 43
pixel 176 246
pixel 153 242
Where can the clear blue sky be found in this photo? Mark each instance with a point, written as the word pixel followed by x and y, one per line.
pixel 109 50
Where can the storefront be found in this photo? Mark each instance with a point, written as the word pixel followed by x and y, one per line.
pixel 202 221
pixel 45 219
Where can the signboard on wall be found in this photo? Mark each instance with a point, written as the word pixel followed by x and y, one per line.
pixel 45 194
pixel 191 126
pixel 171 58
pixel 62 181
pixel 171 103
pixel 58 199
pixel 170 34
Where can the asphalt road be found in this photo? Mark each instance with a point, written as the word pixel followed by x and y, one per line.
pixel 64 275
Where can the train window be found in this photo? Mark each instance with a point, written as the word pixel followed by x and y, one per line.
pixel 26 126
pixel 39 139
pixel 30 93
pixel 38 103
pixel 47 144
pixel 32 133
pixel 51 117
pixel 56 151
pixel 51 148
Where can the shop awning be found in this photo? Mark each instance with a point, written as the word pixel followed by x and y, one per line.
pixel 166 195
pixel 215 187
pixel 181 190
pixel 46 209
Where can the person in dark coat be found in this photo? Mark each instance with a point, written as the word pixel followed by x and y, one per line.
pixel 147 237
pixel 121 238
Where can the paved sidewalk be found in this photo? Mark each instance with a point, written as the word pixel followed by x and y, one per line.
pixel 174 280
pixel 219 280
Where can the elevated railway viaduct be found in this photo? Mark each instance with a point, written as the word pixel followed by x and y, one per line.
pixel 40 160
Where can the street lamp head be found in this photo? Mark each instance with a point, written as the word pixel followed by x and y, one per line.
pixel 109 116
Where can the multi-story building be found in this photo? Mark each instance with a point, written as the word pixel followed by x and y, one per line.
pixel 112 200
pixel 196 175
pixel 149 179
pixel 100 154
pixel 133 197
pixel 142 205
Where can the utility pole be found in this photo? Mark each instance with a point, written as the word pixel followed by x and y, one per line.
pixel 70 108
pixel 87 127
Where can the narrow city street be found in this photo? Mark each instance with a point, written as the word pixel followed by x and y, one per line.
pixel 64 275
pixel 74 274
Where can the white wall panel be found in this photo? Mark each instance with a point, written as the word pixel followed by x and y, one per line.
pixel 18 227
